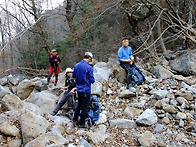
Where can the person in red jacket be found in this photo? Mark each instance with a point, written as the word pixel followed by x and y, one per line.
pixel 54 61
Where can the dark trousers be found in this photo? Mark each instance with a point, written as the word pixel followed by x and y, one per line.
pixel 127 67
pixel 67 97
pixel 83 105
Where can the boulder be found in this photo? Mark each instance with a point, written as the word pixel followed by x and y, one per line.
pixel 32 125
pixel 188 88
pixel 13 80
pixel 4 91
pixel 147 139
pixel 48 140
pixel 33 108
pixel 101 72
pixel 96 88
pixel 14 143
pixel 57 90
pixel 102 119
pixel 120 74
pixel 160 72
pixel 185 64
pixel 160 94
pixel 38 85
pixel 122 123
pixel 187 96
pixel 126 94
pixel 131 112
pixel 12 102
pixel 25 88
pixel 3 81
pixel 8 129
pixel 46 104
pixel 147 118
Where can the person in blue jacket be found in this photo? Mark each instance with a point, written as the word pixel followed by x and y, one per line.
pixel 83 74
pixel 126 59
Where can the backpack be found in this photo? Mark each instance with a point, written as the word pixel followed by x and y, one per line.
pixel 94 111
pixel 137 76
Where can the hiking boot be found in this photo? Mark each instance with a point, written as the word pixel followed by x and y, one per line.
pixel 54 113
pixel 55 84
pixel 47 83
pixel 75 123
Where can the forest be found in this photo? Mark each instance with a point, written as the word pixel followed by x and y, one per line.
pixel 28 31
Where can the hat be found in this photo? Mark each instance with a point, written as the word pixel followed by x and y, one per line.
pixel 88 54
pixel 68 70
pixel 53 50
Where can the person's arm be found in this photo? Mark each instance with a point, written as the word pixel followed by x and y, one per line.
pixel 91 76
pixel 73 90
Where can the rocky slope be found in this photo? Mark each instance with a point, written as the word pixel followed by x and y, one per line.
pixel 161 112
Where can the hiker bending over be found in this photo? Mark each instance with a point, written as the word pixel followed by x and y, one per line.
pixel 70 87
pixel 126 59
pixel 83 73
pixel 54 61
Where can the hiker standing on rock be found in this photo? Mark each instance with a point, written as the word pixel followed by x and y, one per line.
pixel 83 73
pixel 70 87
pixel 54 61
pixel 126 59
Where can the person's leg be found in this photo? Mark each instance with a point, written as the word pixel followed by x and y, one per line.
pixel 60 104
pixel 78 108
pixel 70 100
pixel 127 67
pixel 56 75
pixel 85 107
pixel 50 74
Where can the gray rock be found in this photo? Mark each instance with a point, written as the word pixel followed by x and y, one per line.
pixel 38 85
pixel 85 143
pixel 57 90
pixel 97 137
pixel 169 108
pixel 139 104
pixel 102 119
pixel 147 139
pixel 96 88
pixel 147 118
pixel 122 123
pixel 181 115
pixel 185 64
pixel 43 140
pixel 159 128
pixel 12 102
pixel 160 72
pixel 33 108
pixel 4 91
pixel 109 91
pixel 14 143
pixel 187 87
pixel 8 129
pixel 131 112
pixel 13 80
pixel 181 123
pixel 126 94
pixel 3 81
pixel 101 72
pixel 165 62
pixel 32 126
pixel 160 94
pixel 25 88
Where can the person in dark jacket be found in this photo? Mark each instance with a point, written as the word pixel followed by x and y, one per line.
pixel 83 73
pixel 70 87
pixel 54 61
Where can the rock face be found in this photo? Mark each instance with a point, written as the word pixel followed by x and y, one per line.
pixel 122 123
pixel 147 118
pixel 32 125
pixel 48 140
pixel 185 64
pixel 24 89
pixel 160 72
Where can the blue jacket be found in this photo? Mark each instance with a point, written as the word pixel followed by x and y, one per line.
pixel 124 53
pixel 83 73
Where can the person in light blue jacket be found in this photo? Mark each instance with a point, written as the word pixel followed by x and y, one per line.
pixel 126 59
